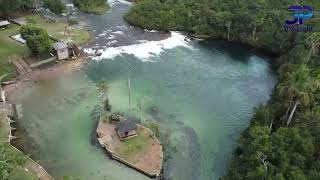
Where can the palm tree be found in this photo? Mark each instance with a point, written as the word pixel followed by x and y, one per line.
pixel 311 40
pixel 103 87
pixel 299 87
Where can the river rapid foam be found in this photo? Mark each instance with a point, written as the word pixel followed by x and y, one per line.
pixel 144 50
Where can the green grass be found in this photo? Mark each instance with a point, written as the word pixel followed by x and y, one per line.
pixel 20 173
pixel 4 129
pixel 131 147
pixel 10 48
pixel 79 36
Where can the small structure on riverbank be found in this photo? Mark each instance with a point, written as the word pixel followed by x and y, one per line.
pixel 143 152
pixel 61 49
pixel 126 129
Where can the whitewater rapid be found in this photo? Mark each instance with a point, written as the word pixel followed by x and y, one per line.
pixel 144 50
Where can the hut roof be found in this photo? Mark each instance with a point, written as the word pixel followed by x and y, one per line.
pixel 59 45
pixel 126 126
pixel 4 23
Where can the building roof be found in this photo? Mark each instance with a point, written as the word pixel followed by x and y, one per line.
pixel 126 126
pixel 4 23
pixel 59 45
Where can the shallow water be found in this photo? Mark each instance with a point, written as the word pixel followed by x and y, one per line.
pixel 202 95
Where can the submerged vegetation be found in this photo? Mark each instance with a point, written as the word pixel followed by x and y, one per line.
pixel 282 141
pixel 92 6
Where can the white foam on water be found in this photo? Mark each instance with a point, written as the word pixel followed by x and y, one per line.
pixel 112 42
pixel 104 33
pixel 115 2
pixel 150 30
pixel 117 32
pixel 142 41
pixel 143 51
pixel 122 27
pixel 110 37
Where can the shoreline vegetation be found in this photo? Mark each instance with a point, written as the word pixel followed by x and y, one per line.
pixel 282 140
pixel 98 7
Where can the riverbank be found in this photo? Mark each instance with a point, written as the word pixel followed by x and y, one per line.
pixel 49 71
pixel 25 168
pixel 53 71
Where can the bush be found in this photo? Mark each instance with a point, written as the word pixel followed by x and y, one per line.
pixel 72 22
pixel 9 160
pixel 55 6
pixel 155 128
pixel 38 40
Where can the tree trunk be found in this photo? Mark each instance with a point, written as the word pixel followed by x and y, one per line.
pixel 254 33
pixel 229 34
pixel 292 112
pixel 288 108
pixel 129 91
pixel 308 58
pixel 271 124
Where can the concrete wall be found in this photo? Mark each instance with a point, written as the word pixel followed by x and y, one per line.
pixel 63 54
pixel 131 133
pixel 115 157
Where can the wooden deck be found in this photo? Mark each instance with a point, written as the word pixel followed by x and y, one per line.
pixel 149 161
pixel 22 66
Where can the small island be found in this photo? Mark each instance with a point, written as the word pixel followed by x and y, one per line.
pixel 131 144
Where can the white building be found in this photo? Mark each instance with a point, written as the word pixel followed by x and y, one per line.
pixel 61 49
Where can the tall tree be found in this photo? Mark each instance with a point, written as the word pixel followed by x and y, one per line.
pixel 299 87
pixel 311 40
pixel 103 87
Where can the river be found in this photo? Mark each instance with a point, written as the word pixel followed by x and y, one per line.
pixel 201 93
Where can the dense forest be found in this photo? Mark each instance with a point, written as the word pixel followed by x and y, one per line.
pixel 283 139
pixel 92 6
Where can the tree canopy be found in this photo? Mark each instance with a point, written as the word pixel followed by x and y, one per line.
pixel 55 6
pixel 38 40
pixel 9 6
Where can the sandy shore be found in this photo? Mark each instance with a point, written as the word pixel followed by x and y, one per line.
pixel 56 70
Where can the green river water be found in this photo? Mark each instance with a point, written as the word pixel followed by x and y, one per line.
pixel 204 92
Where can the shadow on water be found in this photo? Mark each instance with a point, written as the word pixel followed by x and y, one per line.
pixel 236 52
